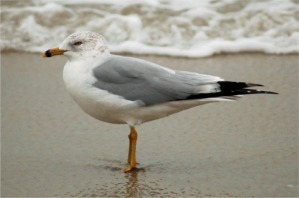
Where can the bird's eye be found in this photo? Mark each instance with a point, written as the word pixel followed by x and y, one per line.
pixel 77 43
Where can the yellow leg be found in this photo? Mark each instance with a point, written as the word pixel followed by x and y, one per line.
pixel 132 149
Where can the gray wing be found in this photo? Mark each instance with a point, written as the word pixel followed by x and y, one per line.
pixel 139 80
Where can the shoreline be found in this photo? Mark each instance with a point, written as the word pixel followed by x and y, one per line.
pixel 244 148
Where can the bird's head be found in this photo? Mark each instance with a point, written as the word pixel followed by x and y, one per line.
pixel 83 44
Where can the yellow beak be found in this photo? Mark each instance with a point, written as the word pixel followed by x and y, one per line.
pixel 53 52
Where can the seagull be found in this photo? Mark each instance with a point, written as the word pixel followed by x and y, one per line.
pixel 125 90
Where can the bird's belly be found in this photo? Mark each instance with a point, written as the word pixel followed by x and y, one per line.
pixel 111 108
pixel 102 111
pixel 103 105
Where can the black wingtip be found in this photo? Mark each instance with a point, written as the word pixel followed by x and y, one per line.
pixel 251 91
pixel 230 88
pixel 254 85
pixel 230 85
pixel 271 92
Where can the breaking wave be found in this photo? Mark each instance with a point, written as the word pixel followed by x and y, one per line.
pixel 188 28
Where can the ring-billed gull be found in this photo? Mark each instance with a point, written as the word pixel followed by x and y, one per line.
pixel 124 90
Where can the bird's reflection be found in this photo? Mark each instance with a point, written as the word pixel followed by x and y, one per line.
pixel 133 188
pixel 113 182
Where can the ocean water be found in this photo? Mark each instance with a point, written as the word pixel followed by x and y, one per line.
pixel 184 28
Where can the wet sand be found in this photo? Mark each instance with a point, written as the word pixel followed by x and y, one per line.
pixel 244 148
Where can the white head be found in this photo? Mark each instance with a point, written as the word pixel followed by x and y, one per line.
pixel 80 45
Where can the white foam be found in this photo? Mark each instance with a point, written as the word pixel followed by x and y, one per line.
pixel 164 27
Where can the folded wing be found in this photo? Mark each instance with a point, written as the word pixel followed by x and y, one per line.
pixel 150 84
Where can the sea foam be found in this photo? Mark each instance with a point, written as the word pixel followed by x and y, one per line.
pixel 188 28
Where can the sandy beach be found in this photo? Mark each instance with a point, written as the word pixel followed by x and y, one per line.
pixel 249 148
